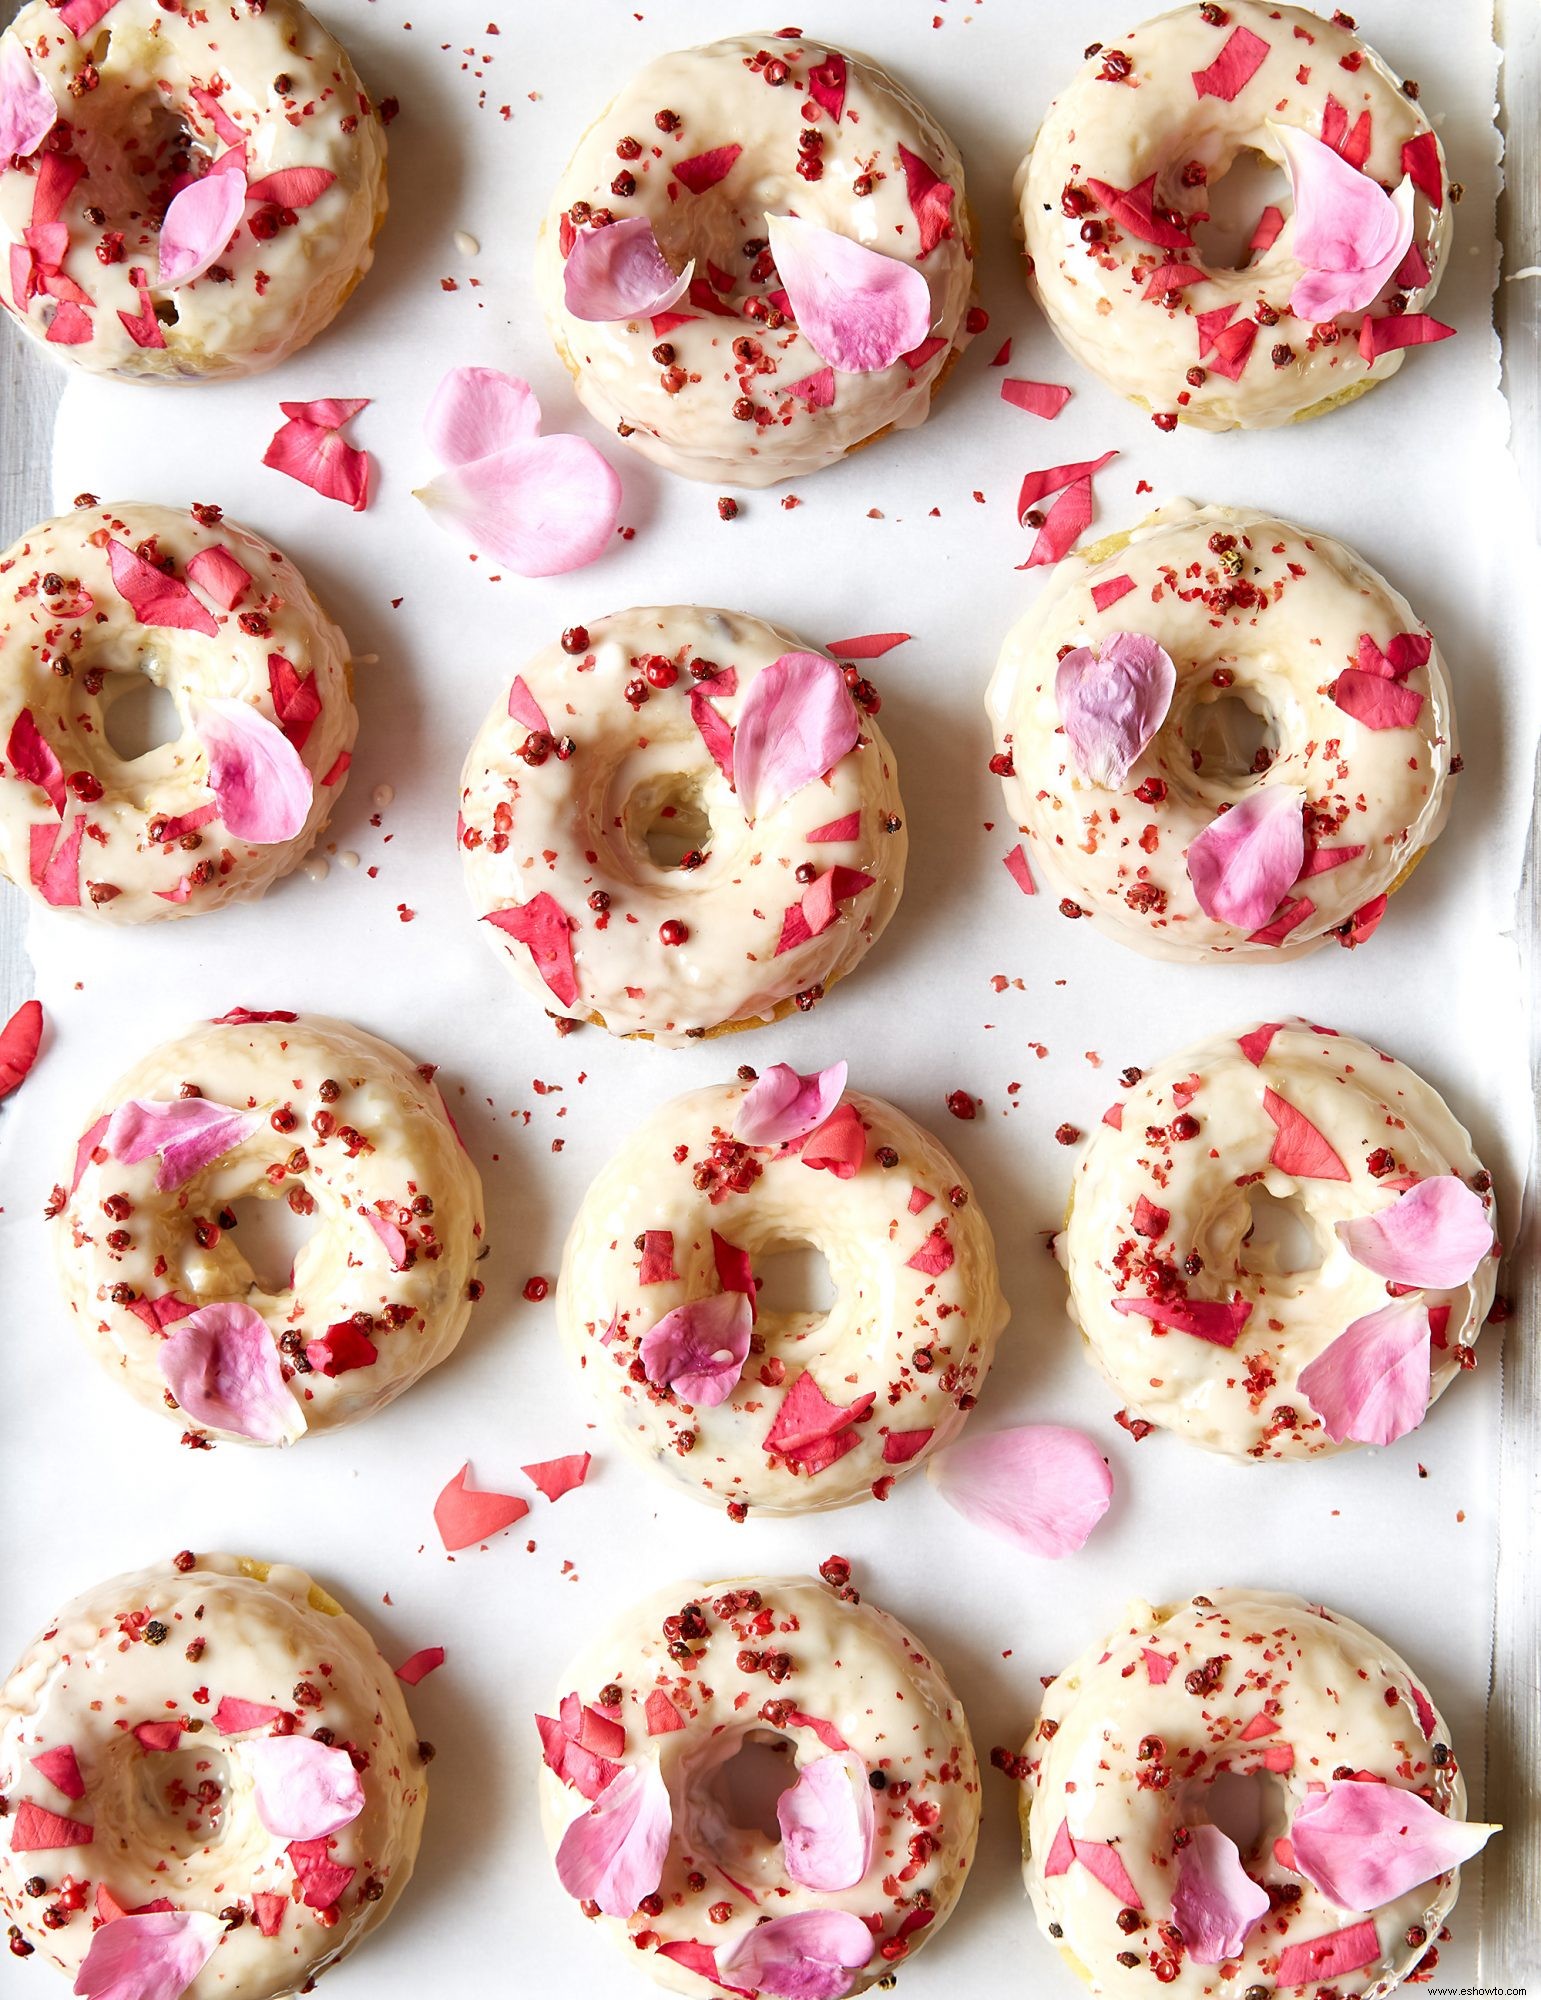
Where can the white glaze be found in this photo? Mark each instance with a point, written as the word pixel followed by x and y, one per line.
pixel 1340 1697
pixel 1369 1108
pixel 720 101
pixel 40 634
pixel 883 1311
pixel 281 292
pixel 343 1267
pixel 1385 790
pixel 1156 123
pixel 269 1635
pixel 576 826
pixel 851 1666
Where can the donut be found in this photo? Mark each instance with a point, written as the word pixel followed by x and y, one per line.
pixel 269 1106
pixel 791 267
pixel 782 1411
pixel 678 820
pixel 196 190
pixel 1179 1245
pixel 94 604
pixel 1317 1730
pixel 214 1784
pixel 878 1815
pixel 1332 288
pixel 1225 737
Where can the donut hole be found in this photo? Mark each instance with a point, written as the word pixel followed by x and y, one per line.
pixel 179 1796
pixel 747 1785
pixel 270 1236
pixel 1230 736
pixel 137 156
pixel 138 716
pixel 1236 200
pixel 1280 1239
pixel 795 1286
pixel 1246 1807
pixel 674 823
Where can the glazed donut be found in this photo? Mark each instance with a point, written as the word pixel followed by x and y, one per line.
pixel 127 255
pixel 1115 184
pixel 213 1774
pixel 702 365
pixel 98 600
pixel 1354 1779
pixel 781 1411
pixel 677 821
pixel 879 1816
pixel 1204 1323
pixel 270 1105
pixel 1217 661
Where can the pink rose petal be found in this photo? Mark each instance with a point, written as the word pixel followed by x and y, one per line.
pixel 199 222
pixel 828 1824
pixel 1107 594
pixel 699 1349
pixel 32 757
pixel 816 390
pixel 1063 525
pixel 541 507
pixel 1133 209
pixel 810 1955
pixel 1290 917
pixel 27 109
pixel 1375 701
pixel 61 1768
pixel 1350 235
pixel 1158 1666
pixel 155 598
pixel 819 907
pixel 619 273
pixel 575 1751
pixel 1433 1236
pixel 934 1256
pixel 656 1266
pixel 555 1476
pixel 303 1789
pixel 292 187
pixel 1102 1859
pixel 1330 1957
pixel 1038 399
pixel 809 1431
pixel 54 861
pixel 1371 1384
pixel 1365 1845
pixel 219 576
pixel 263 790
pixel 795 724
pixel 662 1717
pixel 930 198
pixel 858 309
pixel 826 84
pixel 1218 1321
pixel 221 1365
pixel 235 1715
pixel 1299 1148
pixel 465 1515
pixel 1112 699
pixel 705 170
pixel 1256 1043
pixel 1390 331
pixel 1061 1855
pixel 839 1145
pixel 343 1347
pixel 1037 486
pixel 716 732
pixel 189 1133
pixel 1229 353
pixel 735 1270
pixel 1241 57
pixel 1216 1903
pixel 1019 871
pixel 1168 279
pixel 847 827
pixel 427 1660
pixel 1353 145
pixel 395 1244
pixel 899 1447
pixel 1041 1486
pixel 781 1106
pixel 151 1955
pixel 867 645
pixel 614 1853
pixel 296 699
pixel 36 1830
pixel 1244 861
pixel 322 1880
pixel 311 448
pixel 1420 162
pixel 476 412
pixel 1269 225
pixel 542 925
pixel 524 708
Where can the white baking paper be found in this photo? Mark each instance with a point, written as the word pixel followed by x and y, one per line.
pixel 917 533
